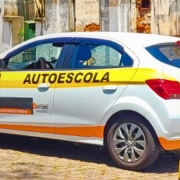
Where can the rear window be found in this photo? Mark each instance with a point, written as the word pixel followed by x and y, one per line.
pixel 169 54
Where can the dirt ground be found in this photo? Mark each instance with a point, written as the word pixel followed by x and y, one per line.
pixel 26 158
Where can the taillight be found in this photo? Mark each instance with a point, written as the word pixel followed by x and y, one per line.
pixel 165 88
pixel 178 42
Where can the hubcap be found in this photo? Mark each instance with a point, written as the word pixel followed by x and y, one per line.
pixel 129 142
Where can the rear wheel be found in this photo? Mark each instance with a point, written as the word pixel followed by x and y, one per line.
pixel 132 143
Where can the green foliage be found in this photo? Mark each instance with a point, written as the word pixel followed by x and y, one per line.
pixel 21 34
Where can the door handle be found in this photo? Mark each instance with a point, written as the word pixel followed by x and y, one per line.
pixel 44 85
pixel 109 89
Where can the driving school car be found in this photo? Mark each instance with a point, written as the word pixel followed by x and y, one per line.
pixel 119 90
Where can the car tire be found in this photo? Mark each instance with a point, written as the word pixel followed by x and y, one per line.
pixel 132 143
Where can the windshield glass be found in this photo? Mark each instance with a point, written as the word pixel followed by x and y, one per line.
pixel 169 54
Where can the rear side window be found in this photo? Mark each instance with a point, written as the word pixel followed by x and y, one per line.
pixel 169 54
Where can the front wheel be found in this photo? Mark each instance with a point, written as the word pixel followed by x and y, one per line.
pixel 132 143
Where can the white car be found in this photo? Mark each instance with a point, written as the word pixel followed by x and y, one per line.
pixel 119 90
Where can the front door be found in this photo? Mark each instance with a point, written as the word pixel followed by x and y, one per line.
pixel 29 81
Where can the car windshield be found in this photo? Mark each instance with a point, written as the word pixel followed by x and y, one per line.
pixel 169 54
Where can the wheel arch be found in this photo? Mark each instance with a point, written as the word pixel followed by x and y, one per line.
pixel 114 117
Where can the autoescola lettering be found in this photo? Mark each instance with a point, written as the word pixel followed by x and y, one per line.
pixel 66 78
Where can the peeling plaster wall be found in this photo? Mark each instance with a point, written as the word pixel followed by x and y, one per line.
pixel 9 27
pixel 87 15
pixel 71 16
pixel 133 16
pixel 56 16
pixel 143 17
pixel 174 13
pixel 165 17
pixel 14 7
pixel 10 8
pixel 12 22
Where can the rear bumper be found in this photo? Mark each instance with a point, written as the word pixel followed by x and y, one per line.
pixel 169 144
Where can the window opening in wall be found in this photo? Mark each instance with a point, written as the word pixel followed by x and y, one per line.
pixel 35 8
pixel 40 8
pixel 145 4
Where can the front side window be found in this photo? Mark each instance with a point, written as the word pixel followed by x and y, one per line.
pixel 96 56
pixel 42 56
pixel 169 54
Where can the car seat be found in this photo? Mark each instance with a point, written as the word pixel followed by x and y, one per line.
pixel 40 64
pixel 83 54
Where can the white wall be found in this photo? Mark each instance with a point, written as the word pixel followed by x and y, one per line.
pixel 7 35
pixel 119 15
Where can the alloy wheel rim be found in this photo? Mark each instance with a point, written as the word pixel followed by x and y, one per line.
pixel 129 142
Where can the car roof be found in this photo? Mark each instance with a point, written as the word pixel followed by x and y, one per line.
pixel 127 38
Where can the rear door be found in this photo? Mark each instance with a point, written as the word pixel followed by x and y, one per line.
pixel 95 76
pixel 28 101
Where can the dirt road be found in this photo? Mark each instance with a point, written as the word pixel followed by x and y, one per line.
pixel 25 158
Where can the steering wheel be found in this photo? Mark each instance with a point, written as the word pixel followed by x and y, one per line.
pixel 43 64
